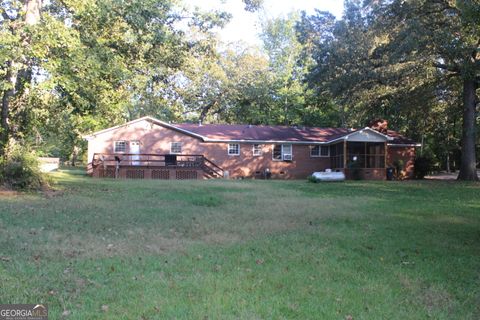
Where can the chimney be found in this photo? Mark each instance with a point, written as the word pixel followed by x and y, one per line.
pixel 381 125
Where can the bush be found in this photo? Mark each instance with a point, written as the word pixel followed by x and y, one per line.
pixel 423 165
pixel 312 179
pixel 20 171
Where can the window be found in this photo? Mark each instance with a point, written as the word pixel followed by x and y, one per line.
pixel 120 146
pixel 277 152
pixel 233 149
pixel 287 152
pixel 257 149
pixel 319 151
pixel 176 147
pixel 282 152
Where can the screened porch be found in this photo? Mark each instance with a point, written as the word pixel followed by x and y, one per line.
pixel 359 159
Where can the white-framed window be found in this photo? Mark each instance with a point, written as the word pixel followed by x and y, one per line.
pixel 287 152
pixel 175 147
pixel 257 149
pixel 233 149
pixel 319 151
pixel 120 146
pixel 282 152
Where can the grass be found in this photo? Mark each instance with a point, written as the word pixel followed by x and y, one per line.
pixel 104 249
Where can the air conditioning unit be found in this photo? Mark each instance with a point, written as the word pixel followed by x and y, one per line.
pixel 287 157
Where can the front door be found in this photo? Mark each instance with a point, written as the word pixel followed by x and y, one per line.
pixel 135 152
pixel 170 159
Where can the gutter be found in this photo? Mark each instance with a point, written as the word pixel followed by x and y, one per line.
pixel 404 144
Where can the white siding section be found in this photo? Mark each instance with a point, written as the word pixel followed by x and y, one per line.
pixel 366 136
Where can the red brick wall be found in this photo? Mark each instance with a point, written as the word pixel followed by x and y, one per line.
pixel 156 139
pixel 407 155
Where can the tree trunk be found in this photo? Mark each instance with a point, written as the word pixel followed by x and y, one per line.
pixel 468 170
pixel 32 11
pixel 74 158
pixel 5 128
pixel 4 116
pixel 448 162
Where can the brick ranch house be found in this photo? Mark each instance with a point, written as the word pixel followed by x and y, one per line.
pixel 148 148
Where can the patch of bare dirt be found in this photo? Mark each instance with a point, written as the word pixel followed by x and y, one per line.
pixel 52 193
pixel 5 192
pixel 436 298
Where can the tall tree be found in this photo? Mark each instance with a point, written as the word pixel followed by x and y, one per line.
pixel 399 59
pixel 94 62
pixel 289 61
pixel 446 35
pixel 17 25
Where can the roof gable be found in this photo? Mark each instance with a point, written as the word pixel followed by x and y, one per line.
pixel 147 119
pixel 367 135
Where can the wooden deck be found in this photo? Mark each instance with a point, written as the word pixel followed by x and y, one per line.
pixel 153 166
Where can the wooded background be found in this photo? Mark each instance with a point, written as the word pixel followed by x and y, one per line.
pixel 70 67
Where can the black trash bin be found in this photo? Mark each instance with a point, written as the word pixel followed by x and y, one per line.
pixel 390 173
pixel 267 174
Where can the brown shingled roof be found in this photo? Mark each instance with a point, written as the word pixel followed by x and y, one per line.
pixel 263 133
pixel 236 132
pixel 398 138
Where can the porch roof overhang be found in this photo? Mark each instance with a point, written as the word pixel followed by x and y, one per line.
pixel 364 135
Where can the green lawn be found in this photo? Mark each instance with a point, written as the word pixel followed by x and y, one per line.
pixel 107 249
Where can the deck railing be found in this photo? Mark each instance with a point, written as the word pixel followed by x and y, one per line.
pixel 157 160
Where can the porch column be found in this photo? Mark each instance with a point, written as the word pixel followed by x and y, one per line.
pixel 386 155
pixel 344 154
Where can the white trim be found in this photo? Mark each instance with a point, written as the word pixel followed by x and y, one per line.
pixel 290 154
pixel 205 139
pixel 282 152
pixel 404 144
pixel 260 149
pixel 273 152
pixel 115 146
pixel 233 154
pixel 171 145
pixel 268 141
pixel 153 120
pixel 345 138
pixel 319 151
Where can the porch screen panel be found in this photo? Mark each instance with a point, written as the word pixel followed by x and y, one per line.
pixel 356 153
pixel 366 154
pixel 375 155
pixel 336 156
